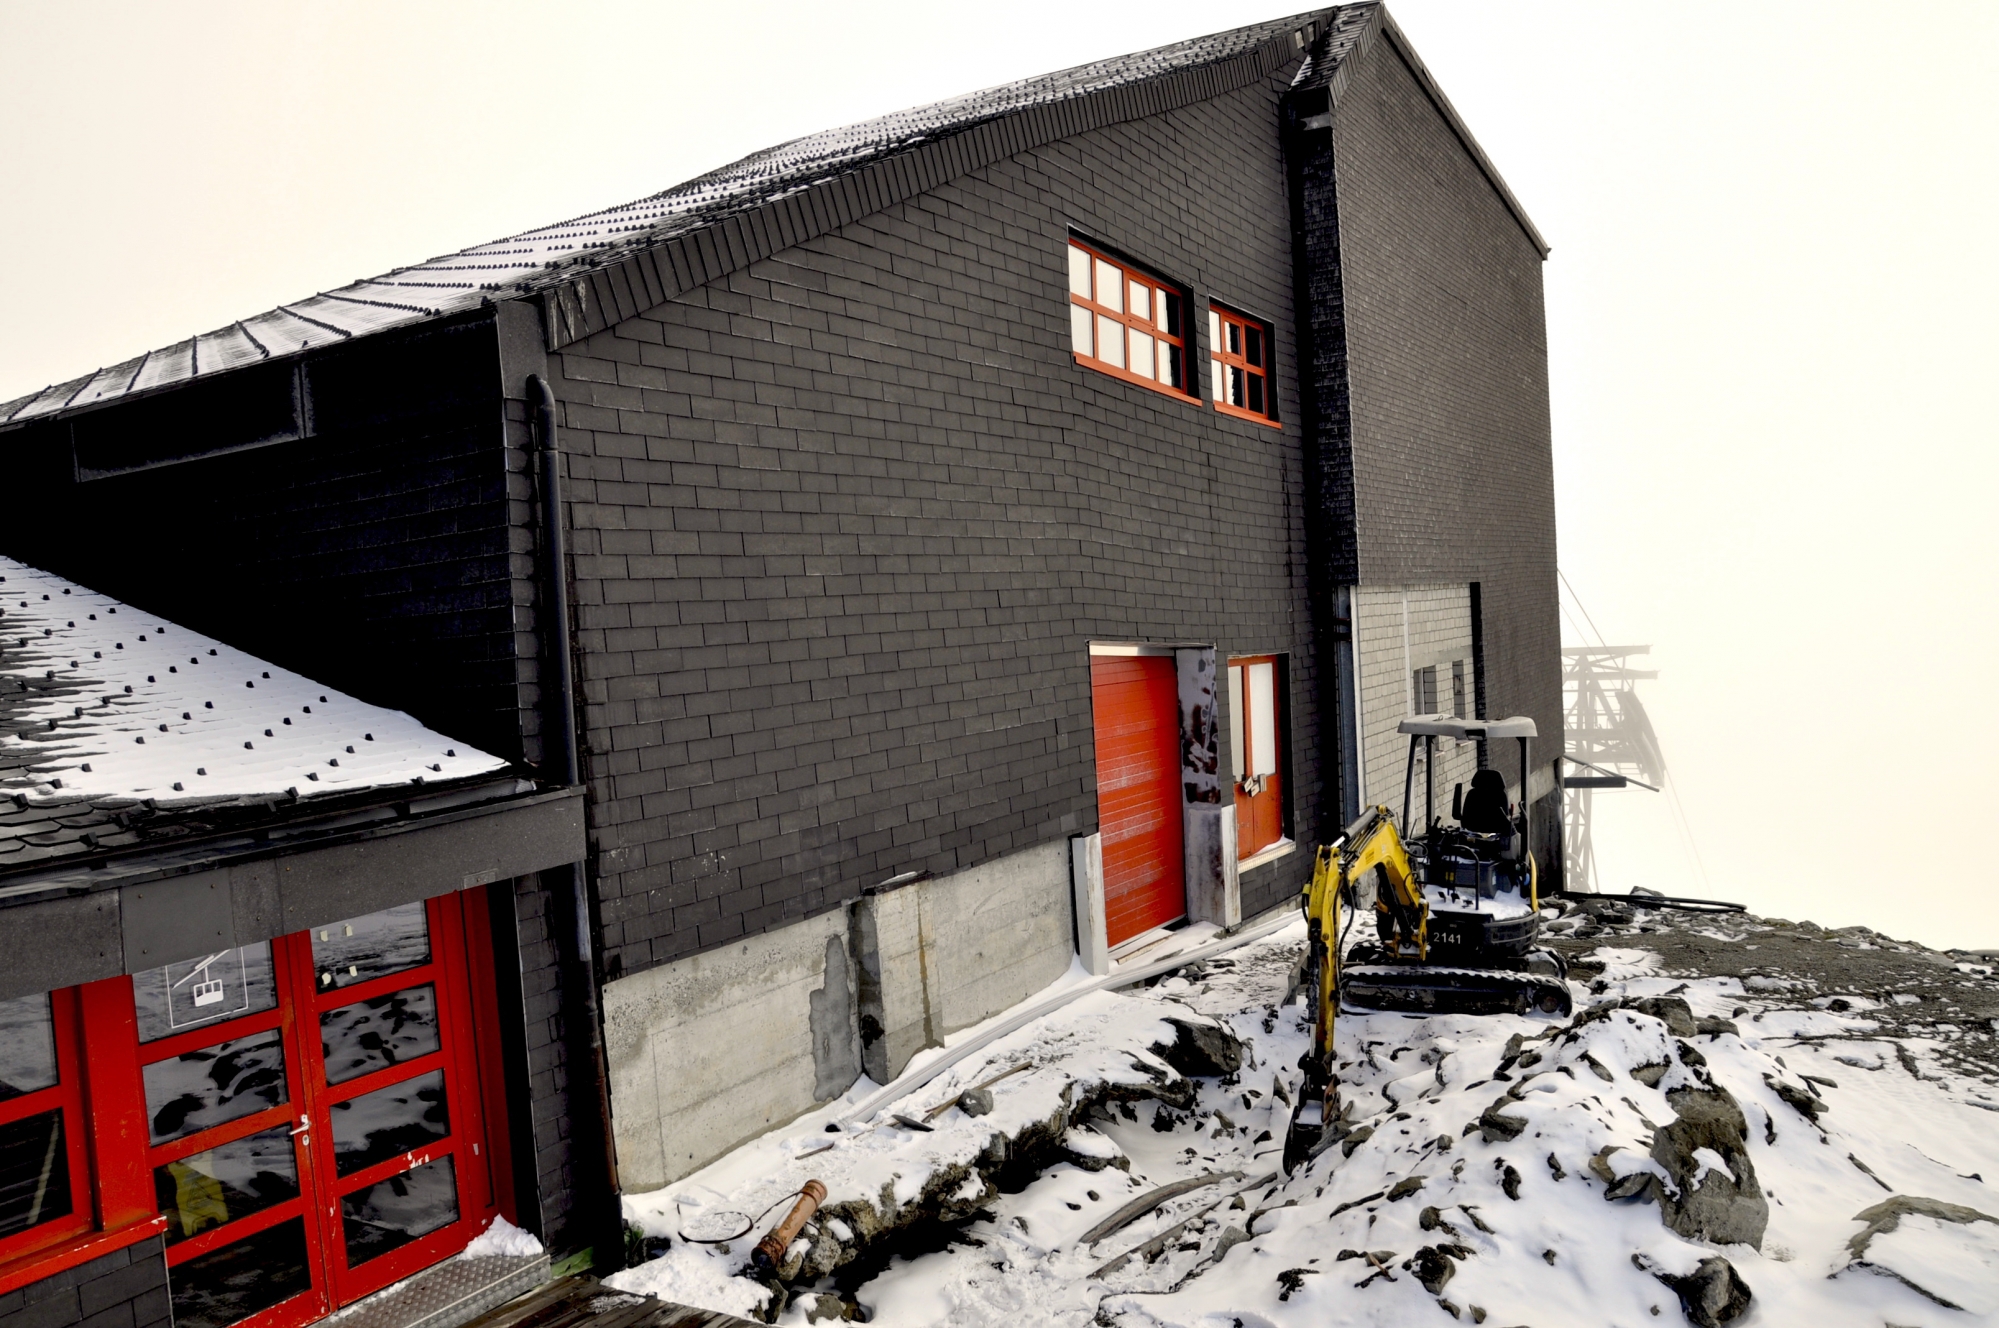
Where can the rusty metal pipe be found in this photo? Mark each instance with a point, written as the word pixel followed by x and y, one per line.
pixel 768 1256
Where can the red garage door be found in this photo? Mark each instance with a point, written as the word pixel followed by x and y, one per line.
pixel 1137 709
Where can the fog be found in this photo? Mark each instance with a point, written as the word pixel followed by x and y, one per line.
pixel 1769 306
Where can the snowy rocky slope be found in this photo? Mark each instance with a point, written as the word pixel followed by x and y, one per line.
pixel 1746 1122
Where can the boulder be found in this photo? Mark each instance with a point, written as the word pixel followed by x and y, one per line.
pixel 1497 1127
pixel 1200 1050
pixel 1677 1015
pixel 1888 1214
pixel 1712 1295
pixel 1719 1199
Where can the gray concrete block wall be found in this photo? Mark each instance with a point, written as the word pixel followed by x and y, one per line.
pixel 845 521
pixel 1444 327
pixel 124 1289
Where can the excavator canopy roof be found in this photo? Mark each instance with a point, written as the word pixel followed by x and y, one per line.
pixel 1467 730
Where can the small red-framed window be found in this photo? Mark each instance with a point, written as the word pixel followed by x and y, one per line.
pixel 1239 366
pixel 1126 322
pixel 44 1166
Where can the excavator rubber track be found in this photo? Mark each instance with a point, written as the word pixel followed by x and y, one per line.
pixel 1418 988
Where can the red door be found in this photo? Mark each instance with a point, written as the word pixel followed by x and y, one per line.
pixel 1254 729
pixel 317 1115
pixel 1136 704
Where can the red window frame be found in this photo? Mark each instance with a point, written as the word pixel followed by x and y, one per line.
pixel 65 1095
pixel 1239 366
pixel 100 1066
pixel 104 1127
pixel 1094 317
pixel 1260 808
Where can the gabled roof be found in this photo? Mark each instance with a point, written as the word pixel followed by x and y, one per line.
pixel 111 716
pixel 597 268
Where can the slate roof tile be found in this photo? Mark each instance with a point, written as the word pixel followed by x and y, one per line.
pixel 522 264
pixel 116 724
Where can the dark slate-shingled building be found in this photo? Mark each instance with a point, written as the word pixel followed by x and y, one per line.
pixel 923 552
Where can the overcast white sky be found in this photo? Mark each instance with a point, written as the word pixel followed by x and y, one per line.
pixel 1771 311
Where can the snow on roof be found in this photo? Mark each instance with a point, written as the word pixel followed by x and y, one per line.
pixel 520 265
pixel 104 703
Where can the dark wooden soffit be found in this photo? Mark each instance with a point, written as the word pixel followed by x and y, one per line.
pixel 592 300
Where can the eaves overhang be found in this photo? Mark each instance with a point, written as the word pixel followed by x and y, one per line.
pixel 72 922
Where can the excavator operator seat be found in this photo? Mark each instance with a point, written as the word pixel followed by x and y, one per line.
pixel 1484 811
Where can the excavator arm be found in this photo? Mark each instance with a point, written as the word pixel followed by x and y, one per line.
pixel 1370 845
pixel 1400 974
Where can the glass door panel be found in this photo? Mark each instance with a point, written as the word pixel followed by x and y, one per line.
pixel 395 1090
pixel 225 1115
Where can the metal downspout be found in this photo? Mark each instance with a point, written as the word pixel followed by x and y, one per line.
pixel 559 751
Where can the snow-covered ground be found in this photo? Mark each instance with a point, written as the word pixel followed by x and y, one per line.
pixel 1473 1183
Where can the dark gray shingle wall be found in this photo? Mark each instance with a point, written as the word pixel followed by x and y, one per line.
pixel 847 519
pixel 124 1289
pixel 1445 333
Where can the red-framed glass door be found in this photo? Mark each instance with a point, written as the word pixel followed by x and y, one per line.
pixel 313 1115
pixel 400 1159
pixel 1256 708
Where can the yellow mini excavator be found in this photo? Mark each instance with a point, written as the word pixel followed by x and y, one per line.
pixel 1456 914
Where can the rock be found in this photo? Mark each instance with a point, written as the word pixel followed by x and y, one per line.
pixel 1355 1139
pixel 1509 1182
pixel 1888 1214
pixel 1650 1075
pixel 1293 1279
pixel 1432 1267
pixel 1432 1219
pixel 1496 1127
pixel 1715 1027
pixel 1228 1240
pixel 1712 1295
pixel 1808 1105
pixel 1405 1187
pixel 828 1306
pixel 1723 1208
pixel 976 1101
pixel 1200 1050
pixel 1676 1013
pixel 1639 1184
pixel 1597 1068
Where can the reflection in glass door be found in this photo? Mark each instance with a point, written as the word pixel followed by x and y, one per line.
pixel 395 1091
pixel 313 1115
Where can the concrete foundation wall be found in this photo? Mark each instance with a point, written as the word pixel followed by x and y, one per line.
pixel 709 1051
pixel 715 1049
pixel 950 952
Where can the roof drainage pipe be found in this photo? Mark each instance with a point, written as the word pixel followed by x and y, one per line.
pixel 559 755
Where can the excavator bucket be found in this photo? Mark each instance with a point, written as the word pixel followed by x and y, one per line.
pixel 1437 989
